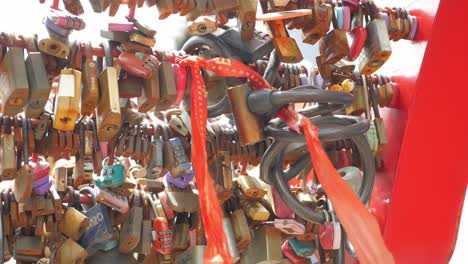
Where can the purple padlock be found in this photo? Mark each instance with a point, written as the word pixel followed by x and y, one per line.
pixel 56 28
pixel 180 182
pixel 42 185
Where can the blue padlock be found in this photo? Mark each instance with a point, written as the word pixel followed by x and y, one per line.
pixel 111 176
pixel 302 248
pixel 99 231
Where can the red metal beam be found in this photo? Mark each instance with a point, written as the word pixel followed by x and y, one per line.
pixel 424 208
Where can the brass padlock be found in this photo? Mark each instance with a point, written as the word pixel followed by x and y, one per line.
pixel 38 83
pixel 75 223
pixel 118 36
pixel 254 210
pixel 248 125
pixel 74 7
pixel 377 49
pixel 230 237
pixel 239 224
pixel 130 232
pixel 14 86
pixel 360 101
pixel 60 175
pixel 109 117
pixel 167 86
pixel 251 187
pixel 29 246
pixel 67 100
pixel 165 8
pixel 144 247
pixel 196 253
pixel 24 181
pixel 264 247
pixel 322 17
pixel 8 169
pixel 130 87
pixel 138 37
pixel 70 252
pixel 150 94
pixel 378 121
pixel 55 45
pixel 181 231
pixel 285 46
pixel 90 94
pixel 181 200
pixel 334 46
pixel 246 19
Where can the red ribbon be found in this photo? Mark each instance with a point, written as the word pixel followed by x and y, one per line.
pixel 361 226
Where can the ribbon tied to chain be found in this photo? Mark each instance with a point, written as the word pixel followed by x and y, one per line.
pixel 360 225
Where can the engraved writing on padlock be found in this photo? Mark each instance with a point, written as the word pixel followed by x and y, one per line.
pixel 112 199
pixel 182 166
pixel 162 236
pixel 99 230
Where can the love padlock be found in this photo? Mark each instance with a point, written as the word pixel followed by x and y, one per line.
pixel 99 231
pixel 330 234
pixel 162 236
pixel 180 182
pixel 110 176
pixel 139 64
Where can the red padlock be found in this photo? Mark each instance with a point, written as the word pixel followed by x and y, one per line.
pixel 343 160
pixel 139 64
pixel 330 234
pixel 162 236
pixel 358 35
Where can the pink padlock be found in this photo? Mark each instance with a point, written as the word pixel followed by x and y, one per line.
pixel 121 27
pixel 346 18
pixel 281 209
pixel 41 168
